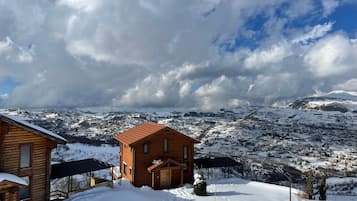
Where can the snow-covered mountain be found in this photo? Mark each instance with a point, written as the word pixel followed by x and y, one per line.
pixel 342 101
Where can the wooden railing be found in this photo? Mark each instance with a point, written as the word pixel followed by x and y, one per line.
pixel 58 195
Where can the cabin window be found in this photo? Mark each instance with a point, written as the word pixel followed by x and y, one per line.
pixel 25 158
pixel 25 193
pixel 125 166
pixel 185 152
pixel 166 145
pixel 146 148
pixel 185 166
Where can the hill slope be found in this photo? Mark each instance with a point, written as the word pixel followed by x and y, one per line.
pixel 224 190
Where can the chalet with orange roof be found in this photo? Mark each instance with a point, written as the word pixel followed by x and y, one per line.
pixel 156 155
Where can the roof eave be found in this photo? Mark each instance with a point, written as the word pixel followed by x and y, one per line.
pixel 13 122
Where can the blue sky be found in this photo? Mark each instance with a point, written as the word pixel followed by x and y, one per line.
pixel 189 54
pixel 344 18
pixel 7 86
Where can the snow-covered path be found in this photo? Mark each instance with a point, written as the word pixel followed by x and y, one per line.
pixel 228 189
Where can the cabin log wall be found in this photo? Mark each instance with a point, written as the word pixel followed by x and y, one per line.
pixel 39 172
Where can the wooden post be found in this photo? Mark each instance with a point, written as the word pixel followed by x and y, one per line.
pixel 69 183
pixel 170 172
pixel 112 183
pixel 181 176
pixel 153 179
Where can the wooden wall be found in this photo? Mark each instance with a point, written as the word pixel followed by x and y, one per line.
pixel 39 172
pixel 126 155
pixel 176 143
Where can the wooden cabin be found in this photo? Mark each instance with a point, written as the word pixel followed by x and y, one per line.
pixel 25 160
pixel 156 155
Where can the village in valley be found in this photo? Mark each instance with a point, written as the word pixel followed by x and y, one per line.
pixel 256 144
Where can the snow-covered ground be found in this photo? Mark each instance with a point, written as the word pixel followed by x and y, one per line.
pixel 225 190
pixel 78 151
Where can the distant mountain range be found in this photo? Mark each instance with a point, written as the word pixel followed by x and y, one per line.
pixel 342 101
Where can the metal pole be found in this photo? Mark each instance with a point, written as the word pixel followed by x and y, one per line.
pixel 290 189
pixel 291 183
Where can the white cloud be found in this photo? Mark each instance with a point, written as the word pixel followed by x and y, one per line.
pixel 167 53
pixel 316 32
pixel 5 45
pixel 349 85
pixel 9 50
pixel 331 56
pixel 329 6
pixel 273 55
pixel 220 93
pixel 82 5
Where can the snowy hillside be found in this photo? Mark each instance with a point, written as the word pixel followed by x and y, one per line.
pixel 342 101
pixel 223 190
pixel 261 138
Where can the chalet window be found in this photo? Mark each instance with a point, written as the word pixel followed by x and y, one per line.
pixel 25 193
pixel 166 145
pixel 185 152
pixel 25 156
pixel 185 166
pixel 125 166
pixel 146 148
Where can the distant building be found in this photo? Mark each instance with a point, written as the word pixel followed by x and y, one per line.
pixel 25 160
pixel 156 155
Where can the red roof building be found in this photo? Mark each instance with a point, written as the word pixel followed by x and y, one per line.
pixel 156 155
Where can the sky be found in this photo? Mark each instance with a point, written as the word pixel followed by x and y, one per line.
pixel 203 54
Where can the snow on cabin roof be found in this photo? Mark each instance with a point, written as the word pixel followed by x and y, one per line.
pixel 12 178
pixel 18 121
pixel 142 131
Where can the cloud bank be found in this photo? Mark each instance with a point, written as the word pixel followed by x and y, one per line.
pixel 192 54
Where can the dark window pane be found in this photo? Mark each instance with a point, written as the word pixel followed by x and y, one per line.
pixel 25 192
pixel 124 167
pixel 165 145
pixel 185 152
pixel 146 148
pixel 25 156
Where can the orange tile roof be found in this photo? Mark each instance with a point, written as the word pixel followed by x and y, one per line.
pixel 142 131
pixel 139 132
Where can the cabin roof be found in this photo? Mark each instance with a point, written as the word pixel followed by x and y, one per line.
pixel 18 121
pixel 215 162
pixel 160 163
pixel 12 178
pixel 77 167
pixel 142 131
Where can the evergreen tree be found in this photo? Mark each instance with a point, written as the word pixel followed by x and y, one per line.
pixel 323 188
pixel 309 188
